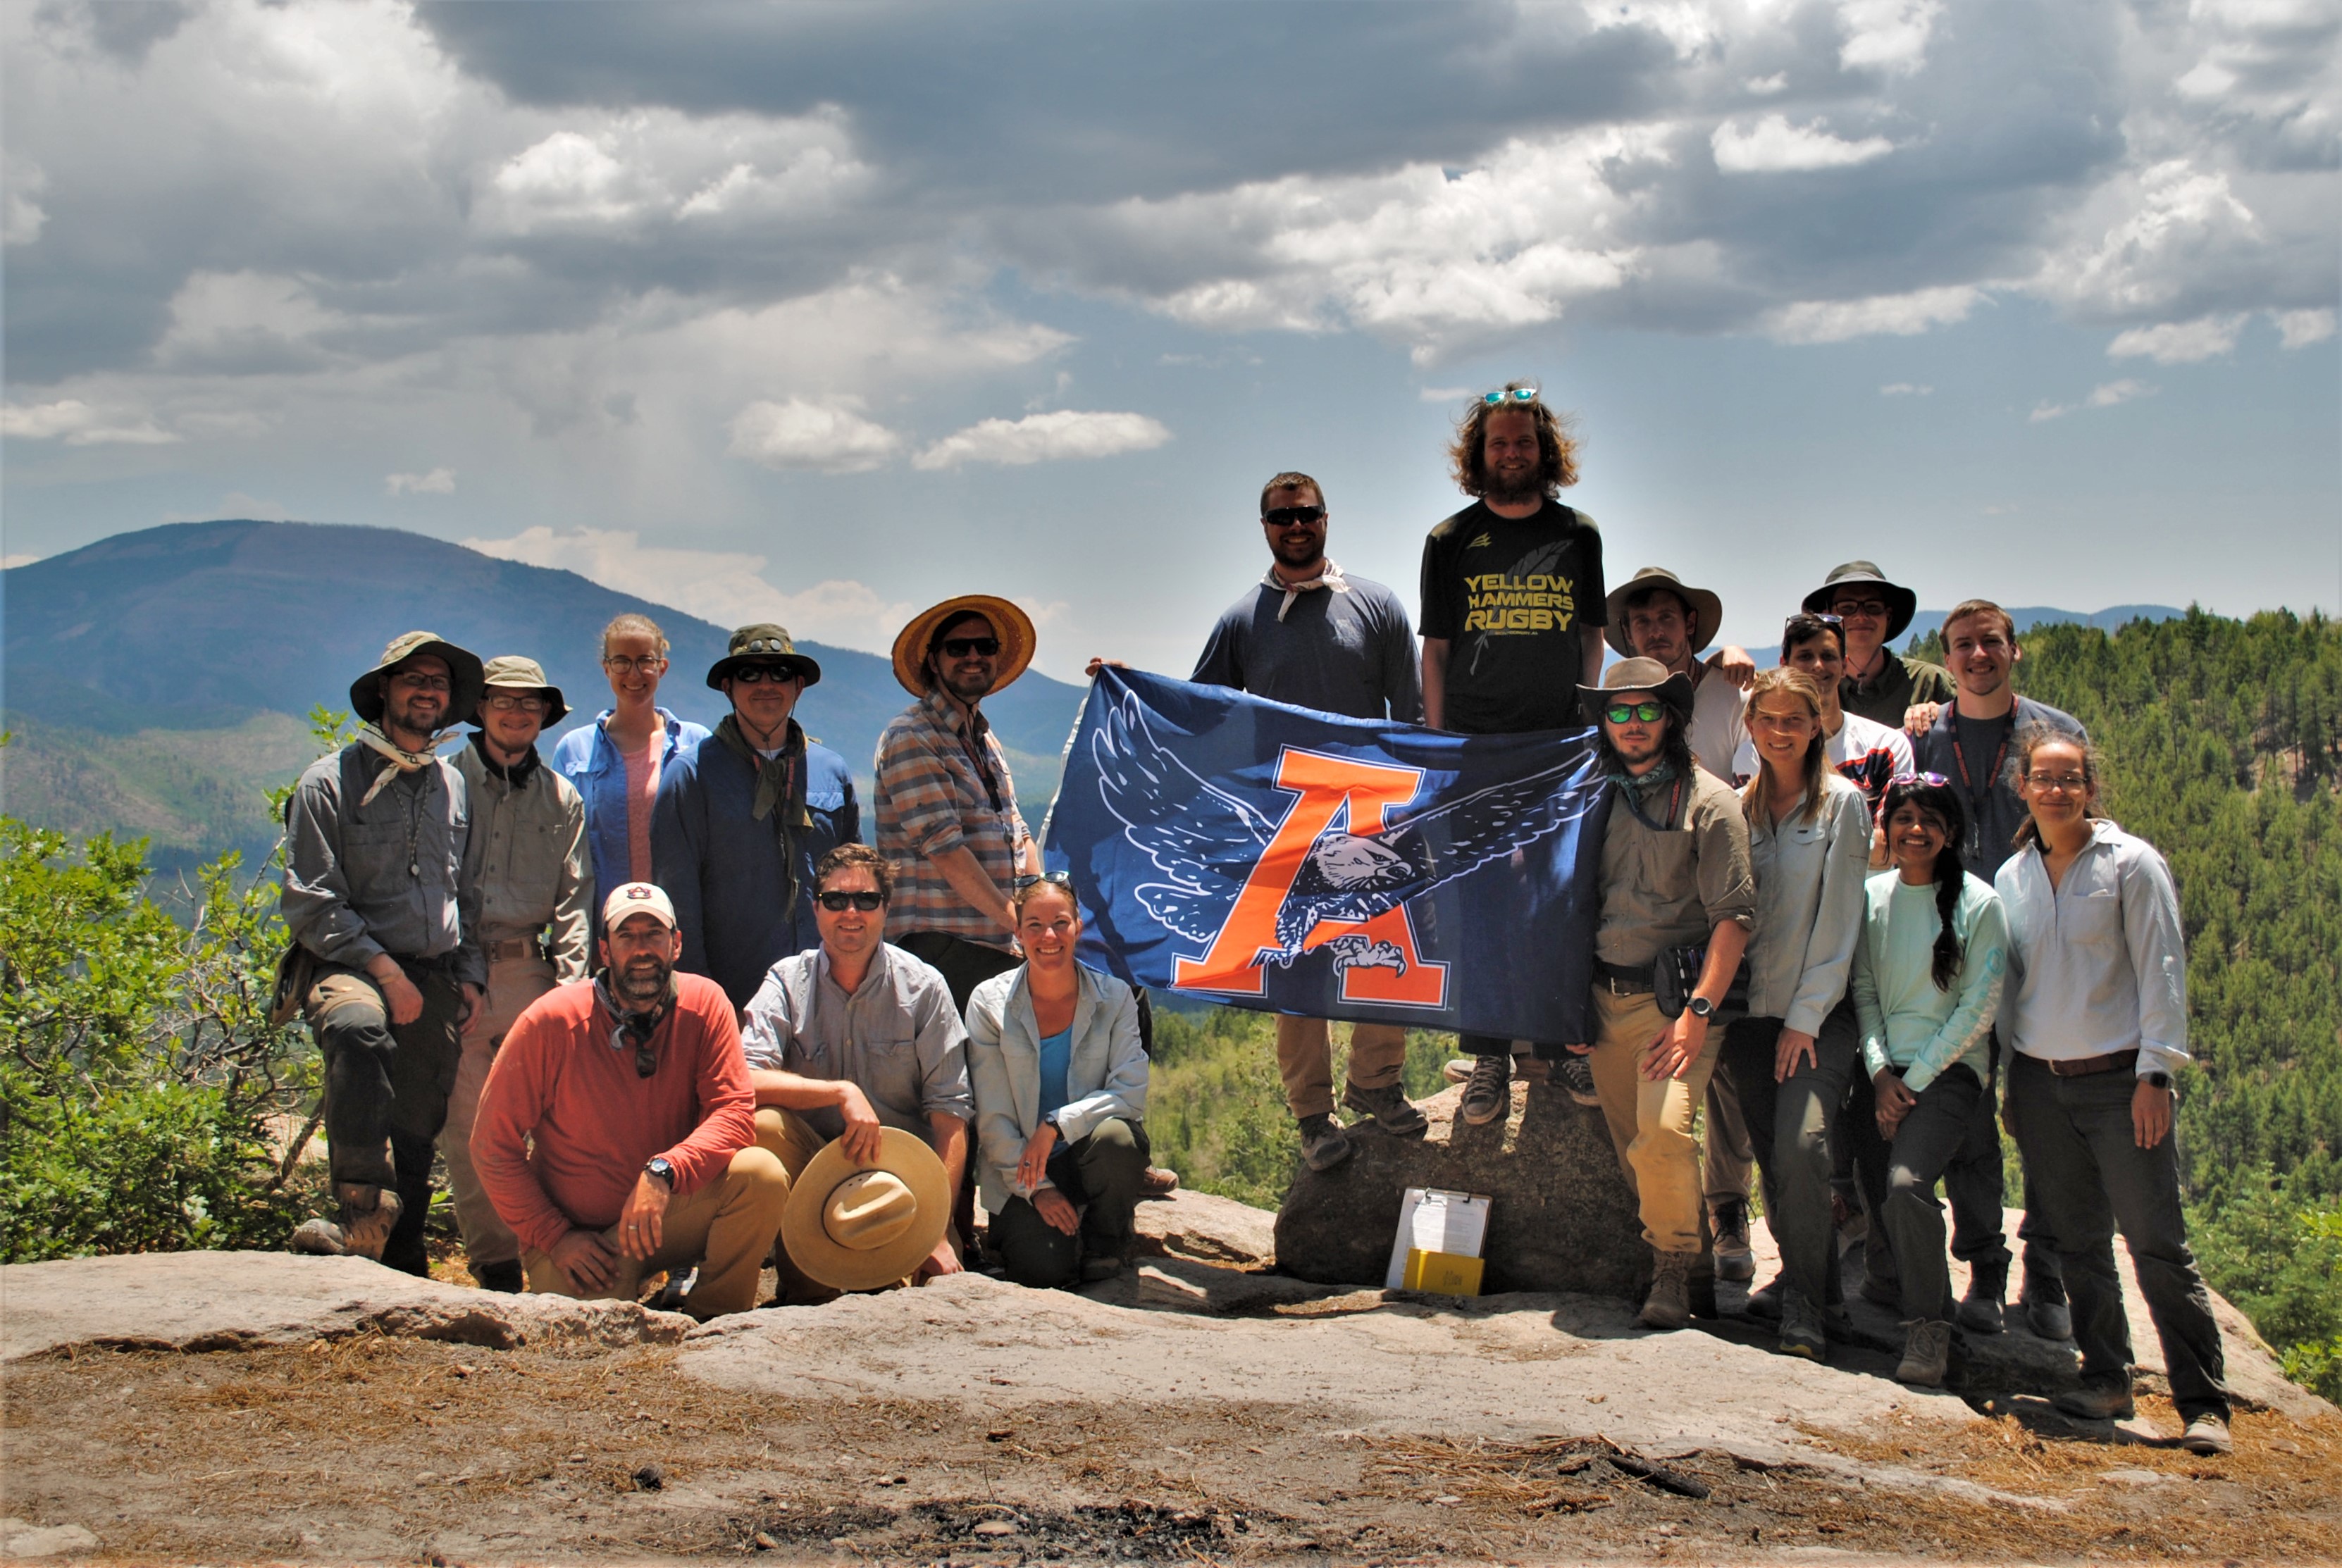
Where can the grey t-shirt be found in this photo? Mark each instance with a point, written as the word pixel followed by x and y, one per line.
pixel 1348 653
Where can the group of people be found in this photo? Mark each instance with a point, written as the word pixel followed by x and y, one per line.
pixel 1858 912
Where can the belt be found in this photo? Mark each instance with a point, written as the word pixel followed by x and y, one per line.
pixel 513 947
pixel 2083 1066
pixel 1621 980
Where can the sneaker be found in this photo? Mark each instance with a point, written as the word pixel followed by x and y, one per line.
pixel 1575 1073
pixel 1488 1093
pixel 2208 1433
pixel 1669 1306
pixel 1802 1331
pixel 1155 1181
pixel 1324 1144
pixel 505 1277
pixel 1765 1304
pixel 1525 1069
pixel 2046 1313
pixel 1389 1108
pixel 1926 1353
pixel 2099 1401
pixel 1734 1259
pixel 671 1296
pixel 1981 1310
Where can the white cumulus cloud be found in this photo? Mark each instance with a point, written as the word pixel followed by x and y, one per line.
pixel 1045 438
pixel 77 424
pixel 2300 328
pixel 2179 342
pixel 1896 316
pixel 438 482
pixel 828 437
pixel 1773 146
pixel 2102 396
pixel 1888 35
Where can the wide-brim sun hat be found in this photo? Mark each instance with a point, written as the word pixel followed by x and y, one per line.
pixel 763 644
pixel 1902 604
pixel 464 677
pixel 1012 626
pixel 513 673
pixel 859 1227
pixel 1637 675
pixel 1703 604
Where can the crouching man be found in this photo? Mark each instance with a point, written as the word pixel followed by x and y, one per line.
pixel 854 1036
pixel 616 1132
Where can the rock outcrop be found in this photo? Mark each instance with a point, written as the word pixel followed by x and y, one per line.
pixel 1562 1219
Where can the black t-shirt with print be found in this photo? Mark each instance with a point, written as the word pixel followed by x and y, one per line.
pixel 1515 598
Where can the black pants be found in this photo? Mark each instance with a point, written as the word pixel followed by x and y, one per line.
pixel 2076 1136
pixel 1792 1126
pixel 1976 1190
pixel 386 1088
pixel 1099 1175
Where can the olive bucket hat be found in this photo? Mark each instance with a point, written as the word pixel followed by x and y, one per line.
pixel 510 672
pixel 1700 602
pixel 464 677
pixel 1902 602
pixel 763 644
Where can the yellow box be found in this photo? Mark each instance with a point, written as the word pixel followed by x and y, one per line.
pixel 1442 1274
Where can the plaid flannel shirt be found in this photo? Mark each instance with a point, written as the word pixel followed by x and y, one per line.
pixel 930 801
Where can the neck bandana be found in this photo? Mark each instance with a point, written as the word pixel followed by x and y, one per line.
pixel 1329 577
pixel 780 795
pixel 516 775
pixel 401 761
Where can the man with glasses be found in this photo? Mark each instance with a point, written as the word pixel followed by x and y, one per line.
pixel 384 913
pixel 616 1133
pixel 527 855
pixel 1868 755
pixel 856 1035
pixel 1311 636
pixel 1513 603
pixel 1878 684
pixel 1968 745
pixel 743 819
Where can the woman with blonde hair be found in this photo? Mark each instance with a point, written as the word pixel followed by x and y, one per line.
pixel 616 762
pixel 1791 1057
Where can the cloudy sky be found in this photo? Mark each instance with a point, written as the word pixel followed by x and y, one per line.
pixel 821 312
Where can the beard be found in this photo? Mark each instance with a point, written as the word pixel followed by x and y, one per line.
pixel 410 715
pixel 642 981
pixel 1506 492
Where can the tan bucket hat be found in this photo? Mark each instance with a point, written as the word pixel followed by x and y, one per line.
pixel 1012 626
pixel 464 677
pixel 1705 604
pixel 512 671
pixel 856 1228
pixel 1637 675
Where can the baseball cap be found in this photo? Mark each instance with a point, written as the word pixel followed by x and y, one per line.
pixel 637 898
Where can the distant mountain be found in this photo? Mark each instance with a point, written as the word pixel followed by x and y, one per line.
pixel 205 628
pixel 1926 622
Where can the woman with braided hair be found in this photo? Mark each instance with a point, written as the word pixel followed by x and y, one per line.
pixel 1928 973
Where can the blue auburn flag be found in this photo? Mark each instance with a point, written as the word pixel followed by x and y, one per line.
pixel 1246 852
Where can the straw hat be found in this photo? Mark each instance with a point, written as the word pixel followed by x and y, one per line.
pixel 1637 675
pixel 1012 626
pixel 856 1228
pixel 1704 604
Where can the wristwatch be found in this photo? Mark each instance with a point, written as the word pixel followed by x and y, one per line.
pixel 2156 1080
pixel 1700 1007
pixel 660 1168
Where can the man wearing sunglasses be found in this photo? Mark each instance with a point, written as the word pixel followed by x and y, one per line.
pixel 529 854
pixel 858 1035
pixel 1309 635
pixel 616 1132
pixel 743 818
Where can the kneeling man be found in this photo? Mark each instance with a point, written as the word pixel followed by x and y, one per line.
pixel 858 1035
pixel 616 1132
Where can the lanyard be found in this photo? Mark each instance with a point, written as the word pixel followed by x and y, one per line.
pixel 1629 793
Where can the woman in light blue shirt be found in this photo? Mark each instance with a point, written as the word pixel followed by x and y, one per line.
pixel 1060 1081
pixel 1928 975
pixel 615 762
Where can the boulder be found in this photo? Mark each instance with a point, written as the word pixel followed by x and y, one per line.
pixel 1208 1229
pixel 1562 1217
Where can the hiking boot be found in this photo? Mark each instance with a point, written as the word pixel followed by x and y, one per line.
pixel 1389 1107
pixel 1488 1093
pixel 1324 1144
pixel 1881 1290
pixel 1802 1331
pixel 2043 1298
pixel 1575 1073
pixel 2207 1434
pixel 1525 1069
pixel 1734 1260
pixel 367 1214
pixel 1980 1309
pixel 1669 1306
pixel 1765 1304
pixel 505 1276
pixel 1926 1353
pixel 2099 1401
pixel 1155 1181
pixel 1095 1271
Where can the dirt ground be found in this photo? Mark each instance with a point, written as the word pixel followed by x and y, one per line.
pixel 402 1450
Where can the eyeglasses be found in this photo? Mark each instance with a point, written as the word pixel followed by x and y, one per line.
pixel 839 903
pixel 1502 396
pixel 645 1059
pixel 648 665
pixel 961 647
pixel 1868 609
pixel 1291 516
pixel 416 681
pixel 1024 880
pixel 750 675
pixel 1625 713
pixel 509 705
pixel 2063 783
pixel 1933 781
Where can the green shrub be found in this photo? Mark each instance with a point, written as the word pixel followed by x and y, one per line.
pixel 2277 1253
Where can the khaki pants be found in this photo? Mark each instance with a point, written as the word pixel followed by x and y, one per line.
pixel 725 1227
pixel 513 984
pixel 1650 1123
pixel 1305 1060
pixel 785 1136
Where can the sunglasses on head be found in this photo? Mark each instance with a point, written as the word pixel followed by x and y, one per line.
pixel 1502 396
pixel 750 675
pixel 1288 516
pixel 961 647
pixel 1024 880
pixel 839 903
pixel 1626 712
pixel 1933 781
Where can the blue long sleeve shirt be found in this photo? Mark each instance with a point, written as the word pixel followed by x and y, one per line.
pixel 595 769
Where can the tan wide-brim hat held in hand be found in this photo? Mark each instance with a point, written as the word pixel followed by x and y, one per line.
pixel 1012 626
pixel 857 1227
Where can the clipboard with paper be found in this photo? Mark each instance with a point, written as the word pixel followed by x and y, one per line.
pixel 1437 1248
